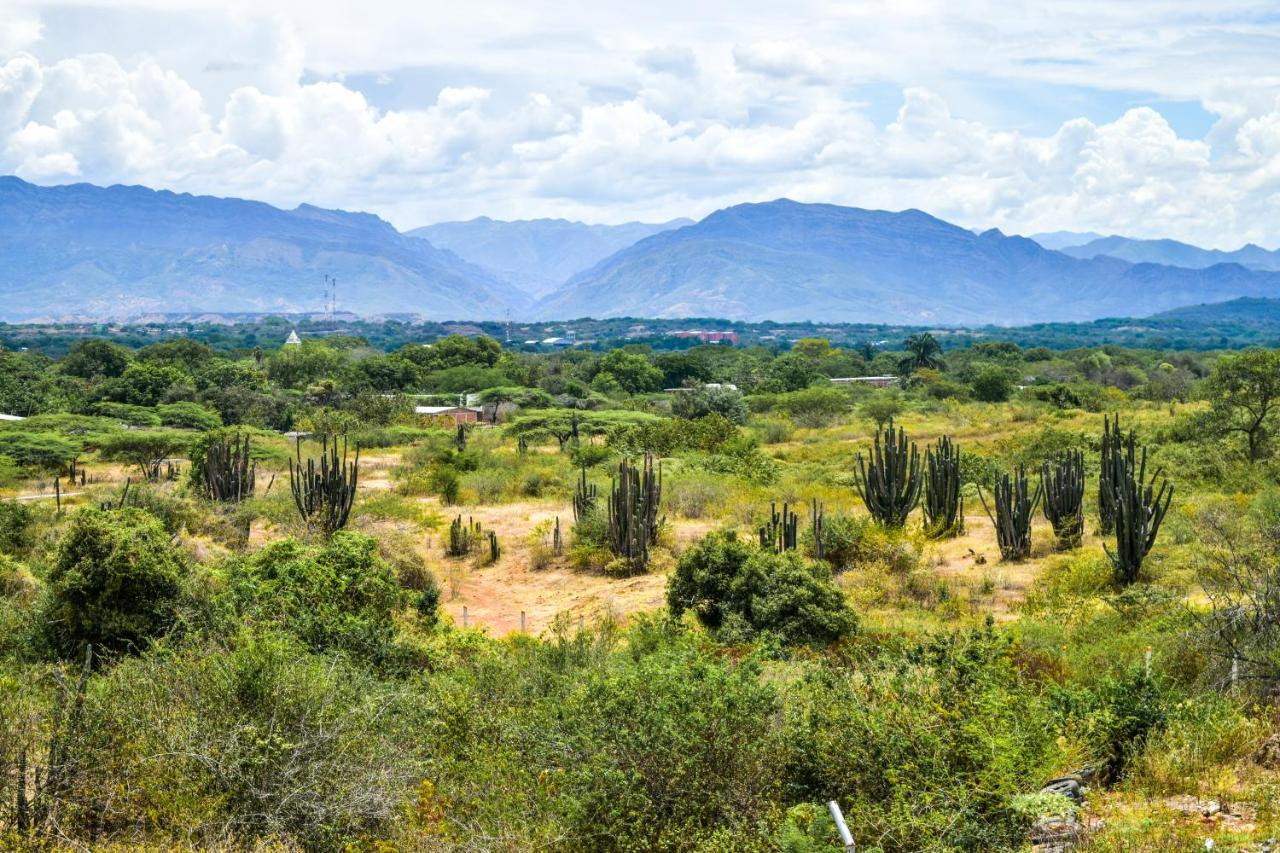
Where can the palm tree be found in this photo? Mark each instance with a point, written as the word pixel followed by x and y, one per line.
pixel 923 350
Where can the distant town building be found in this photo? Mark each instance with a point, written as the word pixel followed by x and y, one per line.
pixel 458 414
pixel 708 337
pixel 293 340
pixel 873 381
pixel 710 386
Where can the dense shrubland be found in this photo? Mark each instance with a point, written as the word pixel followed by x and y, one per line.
pixel 207 642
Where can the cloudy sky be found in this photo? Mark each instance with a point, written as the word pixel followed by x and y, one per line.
pixel 1138 117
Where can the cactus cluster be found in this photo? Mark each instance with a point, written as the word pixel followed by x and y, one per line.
pixel 463 537
pixel 1139 508
pixel 1111 448
pixel 781 532
pixel 585 498
pixel 324 490
pixel 943 504
pixel 634 496
pixel 1015 508
pixel 1062 480
pixel 229 473
pixel 890 482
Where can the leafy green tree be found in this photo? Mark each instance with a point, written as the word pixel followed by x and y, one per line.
pixel 188 416
pixel 701 401
pixel 634 373
pixel 1244 393
pixel 454 351
pixel 146 384
pixel 297 367
pixel 94 358
pixel 115 581
pixel 147 449
pixel 792 371
pixel 37 449
pixel 183 353
pixel 881 407
pixel 815 407
pixel 388 373
pixel 923 351
pixel 992 383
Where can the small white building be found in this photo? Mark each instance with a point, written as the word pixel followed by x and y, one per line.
pixel 293 340
pixel 12 418
pixel 873 381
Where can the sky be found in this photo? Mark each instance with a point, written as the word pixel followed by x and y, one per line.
pixel 1143 118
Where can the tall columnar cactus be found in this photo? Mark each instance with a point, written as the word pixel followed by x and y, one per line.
pixel 325 490
pixel 1112 446
pixel 463 538
pixel 585 497
pixel 460 437
pixel 1063 482
pixel 633 511
pixel 817 518
pixel 781 533
pixel 229 473
pixel 1015 508
pixel 1139 510
pixel 943 504
pixel 890 483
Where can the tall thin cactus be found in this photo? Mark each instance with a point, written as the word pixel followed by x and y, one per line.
pixel 324 491
pixel 1015 508
pixel 634 498
pixel 781 532
pixel 890 483
pixel 943 505
pixel 585 497
pixel 1062 480
pixel 1139 510
pixel 229 474
pixel 817 520
pixel 1112 446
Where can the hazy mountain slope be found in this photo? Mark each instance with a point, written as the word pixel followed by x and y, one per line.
pixel 537 255
pixel 1174 253
pixel 1059 240
pixel 788 261
pixel 113 251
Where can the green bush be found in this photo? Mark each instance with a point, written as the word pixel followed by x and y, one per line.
pixel 926 746
pixel 742 591
pixel 338 596
pixel 115 581
pixel 666 750
pixel 236 742
pixel 16 523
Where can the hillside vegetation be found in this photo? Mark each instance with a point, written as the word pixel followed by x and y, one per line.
pixel 1024 596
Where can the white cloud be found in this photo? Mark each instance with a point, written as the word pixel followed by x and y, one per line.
pixel 607 113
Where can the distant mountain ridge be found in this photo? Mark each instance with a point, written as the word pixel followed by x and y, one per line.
pixel 82 250
pixel 1059 240
pixel 786 261
pixel 1175 253
pixel 537 255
